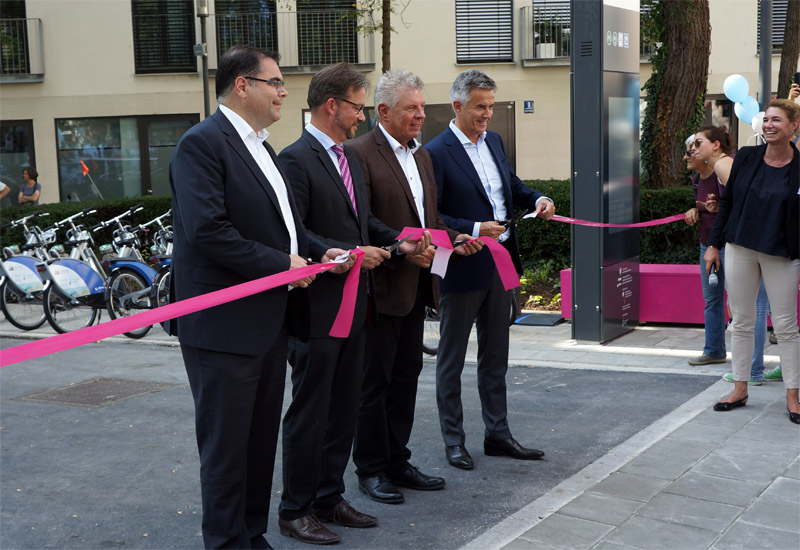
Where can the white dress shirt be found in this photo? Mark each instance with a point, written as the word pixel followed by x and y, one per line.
pixel 254 141
pixel 405 156
pixel 487 170
pixel 328 143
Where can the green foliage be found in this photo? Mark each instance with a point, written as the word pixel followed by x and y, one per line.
pixel 652 22
pixel 106 209
pixel 546 246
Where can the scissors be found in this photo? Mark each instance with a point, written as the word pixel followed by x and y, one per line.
pixel 393 247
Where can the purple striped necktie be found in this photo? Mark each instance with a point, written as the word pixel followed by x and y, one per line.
pixel 344 168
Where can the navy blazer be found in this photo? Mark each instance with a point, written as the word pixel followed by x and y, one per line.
pixel 327 213
pixel 463 201
pixel 228 229
pixel 745 166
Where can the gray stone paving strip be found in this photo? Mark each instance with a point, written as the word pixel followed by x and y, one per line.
pixel 522 521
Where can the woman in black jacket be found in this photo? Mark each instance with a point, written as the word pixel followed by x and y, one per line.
pixel 759 224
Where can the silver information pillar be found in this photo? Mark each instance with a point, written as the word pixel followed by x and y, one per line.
pixel 605 167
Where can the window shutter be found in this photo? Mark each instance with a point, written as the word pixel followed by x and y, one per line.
pixel 484 31
pixel 163 36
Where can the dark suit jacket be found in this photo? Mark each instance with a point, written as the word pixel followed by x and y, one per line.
pixel 463 201
pixel 745 166
pixel 327 213
pixel 392 201
pixel 228 229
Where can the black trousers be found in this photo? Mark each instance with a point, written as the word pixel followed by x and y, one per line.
pixel 489 309
pixel 318 426
pixel 389 393
pixel 238 401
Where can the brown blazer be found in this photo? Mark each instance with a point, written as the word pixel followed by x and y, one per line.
pixel 391 200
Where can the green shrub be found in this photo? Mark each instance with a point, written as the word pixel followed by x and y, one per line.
pixel 673 243
pixel 106 209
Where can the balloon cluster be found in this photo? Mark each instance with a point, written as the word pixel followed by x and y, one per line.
pixel 746 107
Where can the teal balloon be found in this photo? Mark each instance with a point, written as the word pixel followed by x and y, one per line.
pixel 736 88
pixel 750 108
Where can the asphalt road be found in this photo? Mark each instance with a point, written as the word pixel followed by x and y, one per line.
pixel 126 474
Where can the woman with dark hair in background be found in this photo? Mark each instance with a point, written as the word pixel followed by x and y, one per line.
pixel 29 192
pixel 759 224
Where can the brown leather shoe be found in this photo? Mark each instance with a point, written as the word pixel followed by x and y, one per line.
pixel 345 515
pixel 307 529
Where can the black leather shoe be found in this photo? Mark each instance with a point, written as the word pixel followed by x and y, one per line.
pixel 307 529
pixel 723 406
pixel 510 447
pixel 412 478
pixel 794 417
pixel 458 456
pixel 380 489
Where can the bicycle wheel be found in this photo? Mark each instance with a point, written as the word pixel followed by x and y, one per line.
pixel 23 310
pixel 162 287
pixel 127 293
pixel 66 314
pixel 430 335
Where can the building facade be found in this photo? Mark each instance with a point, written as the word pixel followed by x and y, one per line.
pixel 115 83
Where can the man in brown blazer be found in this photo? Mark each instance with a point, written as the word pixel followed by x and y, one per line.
pixel 402 189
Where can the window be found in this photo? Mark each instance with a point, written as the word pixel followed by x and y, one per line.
pixel 126 157
pixel 551 29
pixel 16 153
pixel 483 31
pixel 246 22
pixel 326 32
pixel 163 36
pixel 779 8
pixel 13 30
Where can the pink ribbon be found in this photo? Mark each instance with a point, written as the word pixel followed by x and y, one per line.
pixel 651 223
pixel 61 342
pixel 502 259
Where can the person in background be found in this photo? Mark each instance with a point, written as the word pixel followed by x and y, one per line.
pixel 30 190
pixel 759 223
pixel 4 190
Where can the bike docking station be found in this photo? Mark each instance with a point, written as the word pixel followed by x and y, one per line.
pixel 604 89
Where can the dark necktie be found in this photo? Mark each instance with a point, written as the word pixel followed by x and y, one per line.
pixel 344 168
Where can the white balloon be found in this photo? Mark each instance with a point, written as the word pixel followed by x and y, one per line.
pixel 757 122
pixel 736 88
pixel 750 108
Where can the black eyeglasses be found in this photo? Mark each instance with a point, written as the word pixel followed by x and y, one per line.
pixel 688 154
pixel 276 82
pixel 357 106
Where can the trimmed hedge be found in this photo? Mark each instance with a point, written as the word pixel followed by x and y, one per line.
pixel 106 209
pixel 674 243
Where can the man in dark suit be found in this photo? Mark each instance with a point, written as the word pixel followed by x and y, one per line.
pixel 332 200
pixel 400 180
pixel 477 191
pixel 234 221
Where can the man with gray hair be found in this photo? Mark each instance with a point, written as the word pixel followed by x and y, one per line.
pixel 478 191
pixel 399 177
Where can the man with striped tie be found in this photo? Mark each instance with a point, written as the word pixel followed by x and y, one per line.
pixel 331 197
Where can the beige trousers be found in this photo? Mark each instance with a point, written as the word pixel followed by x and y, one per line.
pixel 744 269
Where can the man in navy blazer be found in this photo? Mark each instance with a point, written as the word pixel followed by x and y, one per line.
pixel 333 203
pixel 478 191
pixel 234 220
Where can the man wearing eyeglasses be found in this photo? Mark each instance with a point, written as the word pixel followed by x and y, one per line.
pixel 234 220
pixel 332 200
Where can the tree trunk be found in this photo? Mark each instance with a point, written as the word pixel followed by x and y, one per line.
pixel 687 37
pixel 386 45
pixel 791 48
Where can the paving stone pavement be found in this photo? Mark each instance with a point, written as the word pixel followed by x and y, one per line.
pixel 695 479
